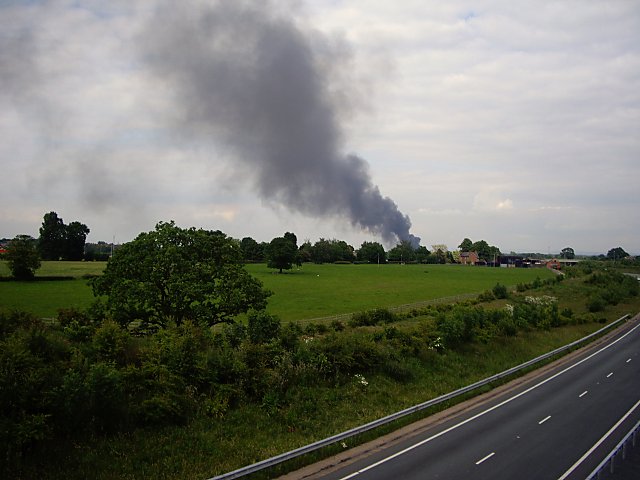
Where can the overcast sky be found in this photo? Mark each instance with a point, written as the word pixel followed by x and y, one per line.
pixel 513 122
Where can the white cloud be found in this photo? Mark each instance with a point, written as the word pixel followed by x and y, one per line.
pixel 479 114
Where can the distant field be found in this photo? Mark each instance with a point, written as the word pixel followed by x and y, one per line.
pixel 67 269
pixel 321 290
pixel 308 292
pixel 44 298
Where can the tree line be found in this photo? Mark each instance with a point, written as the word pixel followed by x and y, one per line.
pixel 58 241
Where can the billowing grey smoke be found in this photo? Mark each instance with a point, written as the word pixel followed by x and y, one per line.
pixel 248 74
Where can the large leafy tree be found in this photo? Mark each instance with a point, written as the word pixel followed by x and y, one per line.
pixel 485 251
pixel 52 237
pixel 321 252
pixel 282 253
pixel 22 257
pixel 617 253
pixel 75 239
pixel 568 253
pixel 371 252
pixel 172 274
pixel 402 252
pixel 251 249
pixel 466 245
pixel 328 251
pixel 59 241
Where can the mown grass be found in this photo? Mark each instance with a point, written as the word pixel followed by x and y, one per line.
pixel 322 290
pixel 45 297
pixel 307 292
pixel 66 269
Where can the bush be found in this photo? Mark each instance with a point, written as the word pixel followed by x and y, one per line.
pixel 373 317
pixel 487 296
pixel 349 353
pixel 263 327
pixel 596 304
pixel 500 291
pixel 452 329
pixel 110 341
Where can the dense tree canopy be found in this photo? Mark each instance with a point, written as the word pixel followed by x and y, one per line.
pixel 568 253
pixel 485 251
pixel 75 239
pixel 173 274
pixel 22 257
pixel 371 252
pixel 52 237
pixel 59 241
pixel 402 252
pixel 617 253
pixel 252 250
pixel 329 251
pixel 282 253
pixel 466 245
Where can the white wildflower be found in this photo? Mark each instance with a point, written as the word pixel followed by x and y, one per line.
pixel 361 380
pixel 543 301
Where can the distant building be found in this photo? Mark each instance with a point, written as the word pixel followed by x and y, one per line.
pixel 469 258
pixel 512 261
pixel 555 264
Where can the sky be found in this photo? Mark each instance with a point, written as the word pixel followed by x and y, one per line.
pixel 517 123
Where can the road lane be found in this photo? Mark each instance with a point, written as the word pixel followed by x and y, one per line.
pixel 540 431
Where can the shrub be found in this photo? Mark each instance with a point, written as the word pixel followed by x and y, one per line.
pixel 373 317
pixel 451 329
pixel 487 296
pixel 262 327
pixel 596 304
pixel 349 353
pixel 500 291
pixel 110 341
pixel 337 326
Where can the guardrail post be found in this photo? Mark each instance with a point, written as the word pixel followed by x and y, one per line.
pixel 611 464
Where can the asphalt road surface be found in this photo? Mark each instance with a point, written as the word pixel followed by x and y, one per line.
pixel 559 426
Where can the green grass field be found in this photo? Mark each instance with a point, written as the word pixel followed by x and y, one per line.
pixel 320 290
pixel 307 292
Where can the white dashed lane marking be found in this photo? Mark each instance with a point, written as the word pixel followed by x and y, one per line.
pixel 544 420
pixel 485 458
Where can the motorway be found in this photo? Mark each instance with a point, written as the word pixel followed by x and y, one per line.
pixel 558 426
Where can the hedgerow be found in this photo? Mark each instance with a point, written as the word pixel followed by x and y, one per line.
pixel 85 374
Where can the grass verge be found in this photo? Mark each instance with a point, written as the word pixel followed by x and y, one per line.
pixel 210 446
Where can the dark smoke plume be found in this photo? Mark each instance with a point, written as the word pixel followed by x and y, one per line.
pixel 250 75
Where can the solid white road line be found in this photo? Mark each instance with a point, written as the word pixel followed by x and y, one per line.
pixel 599 442
pixel 609 374
pixel 484 412
pixel 583 394
pixel 544 420
pixel 485 458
